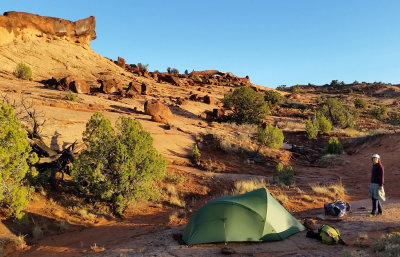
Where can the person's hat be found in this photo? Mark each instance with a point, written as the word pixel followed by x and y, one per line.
pixel 375 155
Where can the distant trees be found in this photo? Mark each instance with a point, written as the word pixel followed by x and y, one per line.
pixel 248 106
pixel 16 160
pixel 335 83
pixel 175 71
pixel 142 67
pixel 119 165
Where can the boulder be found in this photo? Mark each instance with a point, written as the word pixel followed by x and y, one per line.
pixel 109 86
pixel 146 74
pixel 121 62
pixel 133 90
pixel 195 97
pixel 181 101
pixel 80 87
pixel 209 100
pixel 65 82
pixel 158 111
pixel 169 78
pixel 216 115
pixel 145 89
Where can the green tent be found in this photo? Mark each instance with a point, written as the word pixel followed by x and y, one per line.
pixel 253 216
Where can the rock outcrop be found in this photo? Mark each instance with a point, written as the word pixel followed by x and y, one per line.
pixel 14 25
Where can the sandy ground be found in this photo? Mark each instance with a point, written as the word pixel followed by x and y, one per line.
pixel 147 235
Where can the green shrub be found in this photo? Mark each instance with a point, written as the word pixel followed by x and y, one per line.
pixel 186 72
pixel 389 244
pixel 339 115
pixel 360 103
pixel 394 118
pixel 284 174
pixel 333 147
pixel 71 96
pixel 311 128
pixel 23 71
pixel 15 163
pixel 379 113
pixel 118 166
pixel 270 136
pixel 142 67
pixel 196 155
pixel 169 70
pixel 324 125
pixel 248 105
pixel 274 98
pixel 294 89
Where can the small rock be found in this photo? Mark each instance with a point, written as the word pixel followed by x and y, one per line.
pixel 227 251
pixel 310 224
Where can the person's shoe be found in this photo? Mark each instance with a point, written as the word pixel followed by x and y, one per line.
pixel 379 213
pixel 371 215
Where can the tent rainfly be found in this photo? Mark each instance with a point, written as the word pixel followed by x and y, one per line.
pixel 253 216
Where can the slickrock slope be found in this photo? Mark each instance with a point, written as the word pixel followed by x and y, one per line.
pixel 52 47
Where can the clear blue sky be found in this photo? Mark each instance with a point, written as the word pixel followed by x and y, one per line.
pixel 274 42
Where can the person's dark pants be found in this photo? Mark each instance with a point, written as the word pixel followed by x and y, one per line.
pixel 376 203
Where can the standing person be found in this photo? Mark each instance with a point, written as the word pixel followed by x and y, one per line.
pixel 376 191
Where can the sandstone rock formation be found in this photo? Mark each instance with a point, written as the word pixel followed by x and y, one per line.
pixel 133 90
pixel 158 111
pixel 18 24
pixel 121 62
pixel 145 89
pixel 80 87
pixel 109 86
pixel 169 79
pixel 209 100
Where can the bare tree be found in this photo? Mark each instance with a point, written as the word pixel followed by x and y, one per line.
pixel 32 119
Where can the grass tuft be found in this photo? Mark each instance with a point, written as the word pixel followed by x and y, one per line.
pixel 334 191
pixel 244 186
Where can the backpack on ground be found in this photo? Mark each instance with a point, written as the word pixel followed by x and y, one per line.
pixel 329 235
pixel 337 208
